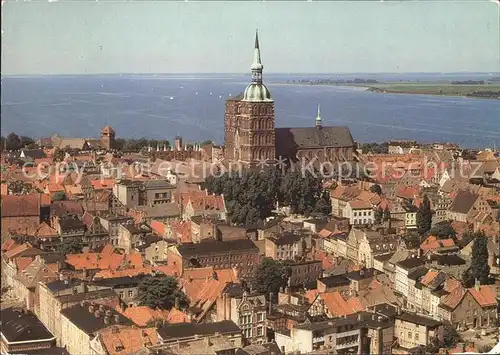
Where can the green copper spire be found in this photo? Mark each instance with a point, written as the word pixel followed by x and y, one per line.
pixel 257 63
pixel 318 118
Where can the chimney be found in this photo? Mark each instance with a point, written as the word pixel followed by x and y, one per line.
pixel 91 309
pixel 398 310
pixel 270 302
pixel 117 318
pixel 176 304
pixel 477 284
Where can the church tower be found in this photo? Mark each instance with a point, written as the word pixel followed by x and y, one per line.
pixel 249 119
pixel 108 137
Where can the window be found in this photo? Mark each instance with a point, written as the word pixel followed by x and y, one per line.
pixel 416 336
pixel 122 294
pixel 409 335
pixel 130 293
pixel 259 331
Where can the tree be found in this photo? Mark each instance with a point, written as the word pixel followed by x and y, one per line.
pixel 468 279
pixel 13 142
pixel 58 155
pixel 58 196
pixel 479 265
pixel 20 187
pixel 161 292
pixel 71 245
pixel 271 275
pixel 323 205
pixel 378 215
pixel 450 336
pixel 443 230
pixel 27 142
pixel 424 216
pixel 387 214
pixel 450 339
pixel 376 189
pixel 467 237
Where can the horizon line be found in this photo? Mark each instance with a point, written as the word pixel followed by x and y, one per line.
pixel 248 74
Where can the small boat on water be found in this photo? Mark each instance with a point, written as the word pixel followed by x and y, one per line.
pixel 196 93
pixel 210 93
pixel 171 97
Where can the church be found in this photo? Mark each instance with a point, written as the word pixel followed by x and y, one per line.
pixel 251 135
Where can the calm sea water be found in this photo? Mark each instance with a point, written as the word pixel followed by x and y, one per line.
pixel 164 106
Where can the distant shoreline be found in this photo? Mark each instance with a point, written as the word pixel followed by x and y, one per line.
pixel 490 91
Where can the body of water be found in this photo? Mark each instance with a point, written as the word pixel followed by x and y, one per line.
pixel 163 106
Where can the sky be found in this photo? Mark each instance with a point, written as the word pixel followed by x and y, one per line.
pixel 89 37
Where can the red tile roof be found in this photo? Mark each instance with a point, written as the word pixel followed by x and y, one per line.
pixel 46 231
pixel 20 205
pixel 8 245
pixel 338 306
pixel 432 243
pixel 485 295
pixel 142 315
pixel 120 339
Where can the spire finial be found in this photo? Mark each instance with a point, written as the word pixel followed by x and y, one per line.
pixel 318 117
pixel 256 63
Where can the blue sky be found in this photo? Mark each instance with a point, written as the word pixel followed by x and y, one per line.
pixel 82 37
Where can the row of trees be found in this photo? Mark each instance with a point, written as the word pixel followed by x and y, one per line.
pixel 375 148
pixel 15 142
pixel 252 195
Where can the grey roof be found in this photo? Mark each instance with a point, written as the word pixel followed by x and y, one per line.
pixel 158 184
pixel 463 202
pixel 160 210
pixel 34 153
pixel 418 319
pixel 417 273
pixel 70 223
pixel 88 322
pixel 286 238
pixel 362 274
pixel 186 330
pixel 411 263
pixel 313 137
pixel 214 247
pixel 19 325
pixel 335 280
